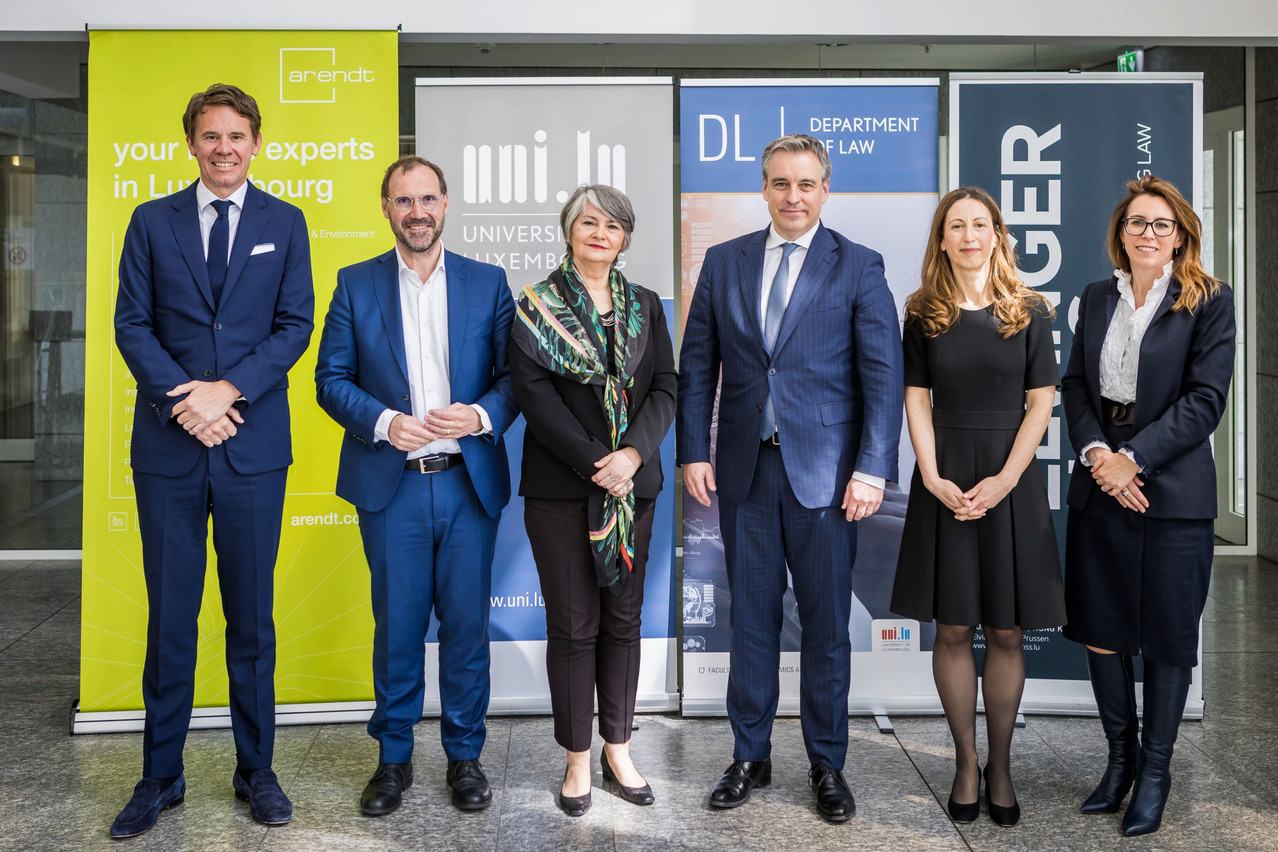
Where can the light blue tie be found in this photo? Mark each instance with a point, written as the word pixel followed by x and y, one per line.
pixel 772 327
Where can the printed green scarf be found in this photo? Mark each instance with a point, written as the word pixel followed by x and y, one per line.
pixel 558 327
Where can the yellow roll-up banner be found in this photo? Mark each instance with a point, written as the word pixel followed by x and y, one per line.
pixel 329 104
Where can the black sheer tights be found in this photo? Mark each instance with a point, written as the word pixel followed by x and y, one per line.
pixel 1003 681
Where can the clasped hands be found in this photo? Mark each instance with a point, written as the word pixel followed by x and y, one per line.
pixel 617 471
pixel 457 420
pixel 207 413
pixel 976 501
pixel 1116 475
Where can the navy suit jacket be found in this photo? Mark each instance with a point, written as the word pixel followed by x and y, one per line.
pixel 361 371
pixel 835 373
pixel 1186 364
pixel 169 330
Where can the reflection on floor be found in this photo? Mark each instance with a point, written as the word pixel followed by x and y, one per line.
pixel 61 792
pixel 38 515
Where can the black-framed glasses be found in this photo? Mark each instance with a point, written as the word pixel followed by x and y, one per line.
pixel 404 203
pixel 1137 225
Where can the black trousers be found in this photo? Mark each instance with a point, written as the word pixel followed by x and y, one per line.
pixel 592 635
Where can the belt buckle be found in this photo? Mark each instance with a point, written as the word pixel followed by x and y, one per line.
pixel 422 461
pixel 774 439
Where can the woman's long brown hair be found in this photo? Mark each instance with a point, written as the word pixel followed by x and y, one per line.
pixel 935 305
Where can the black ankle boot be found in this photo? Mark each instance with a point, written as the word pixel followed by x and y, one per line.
pixel 1166 688
pixel 1115 689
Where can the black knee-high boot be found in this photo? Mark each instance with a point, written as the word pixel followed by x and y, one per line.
pixel 1115 690
pixel 1166 688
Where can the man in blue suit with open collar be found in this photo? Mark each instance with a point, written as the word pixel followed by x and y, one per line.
pixel 803 325
pixel 214 306
pixel 412 364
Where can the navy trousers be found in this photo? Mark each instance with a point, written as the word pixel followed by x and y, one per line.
pixel 761 536
pixel 430 549
pixel 173 515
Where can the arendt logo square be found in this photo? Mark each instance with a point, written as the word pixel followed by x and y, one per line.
pixel 309 75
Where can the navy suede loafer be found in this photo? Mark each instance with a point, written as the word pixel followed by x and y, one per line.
pixel 267 801
pixel 149 798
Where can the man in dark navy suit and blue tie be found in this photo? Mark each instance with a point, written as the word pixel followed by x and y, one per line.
pixel 412 364
pixel 215 305
pixel 802 323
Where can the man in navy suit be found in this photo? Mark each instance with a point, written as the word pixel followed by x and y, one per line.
pixel 804 327
pixel 412 364
pixel 215 305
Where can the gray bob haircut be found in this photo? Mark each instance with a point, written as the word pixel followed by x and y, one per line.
pixel 611 202
pixel 797 143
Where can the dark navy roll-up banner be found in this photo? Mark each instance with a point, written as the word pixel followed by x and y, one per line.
pixel 1056 150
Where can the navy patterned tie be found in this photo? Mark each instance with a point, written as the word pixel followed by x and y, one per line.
pixel 772 327
pixel 219 246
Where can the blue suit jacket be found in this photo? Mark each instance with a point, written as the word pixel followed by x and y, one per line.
pixel 1186 364
pixel 170 332
pixel 361 371
pixel 835 372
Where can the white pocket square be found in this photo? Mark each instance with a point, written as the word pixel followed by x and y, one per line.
pixel 262 248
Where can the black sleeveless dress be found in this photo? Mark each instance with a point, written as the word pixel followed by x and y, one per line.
pixel 1003 570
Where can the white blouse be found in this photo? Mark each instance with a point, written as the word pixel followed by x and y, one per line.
pixel 1120 354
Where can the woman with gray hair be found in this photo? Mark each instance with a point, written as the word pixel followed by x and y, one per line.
pixel 592 368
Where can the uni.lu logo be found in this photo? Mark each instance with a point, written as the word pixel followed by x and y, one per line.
pixel 517 179
pixel 895 634
pixel 308 75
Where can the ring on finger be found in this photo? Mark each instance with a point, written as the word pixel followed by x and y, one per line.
pixel 1126 493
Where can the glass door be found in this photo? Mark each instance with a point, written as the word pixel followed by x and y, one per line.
pixel 1225 257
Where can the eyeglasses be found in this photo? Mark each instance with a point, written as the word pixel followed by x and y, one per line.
pixel 1136 226
pixel 404 203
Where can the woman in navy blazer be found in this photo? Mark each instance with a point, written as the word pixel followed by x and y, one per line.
pixel 1146 385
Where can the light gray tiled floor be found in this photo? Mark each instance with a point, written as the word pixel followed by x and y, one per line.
pixel 61 792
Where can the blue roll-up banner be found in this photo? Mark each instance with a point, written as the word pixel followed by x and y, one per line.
pixel 513 149
pixel 882 139
pixel 1055 150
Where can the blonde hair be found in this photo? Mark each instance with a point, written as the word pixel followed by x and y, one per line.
pixel 935 305
pixel 1187 264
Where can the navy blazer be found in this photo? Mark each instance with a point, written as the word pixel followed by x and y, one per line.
pixel 170 332
pixel 835 373
pixel 361 371
pixel 1186 364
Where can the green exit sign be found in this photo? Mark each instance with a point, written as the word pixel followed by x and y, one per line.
pixel 1132 60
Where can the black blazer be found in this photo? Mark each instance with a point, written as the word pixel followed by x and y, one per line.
pixel 566 430
pixel 1186 364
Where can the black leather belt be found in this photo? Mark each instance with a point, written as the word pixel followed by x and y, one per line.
pixel 773 441
pixel 434 464
pixel 1119 413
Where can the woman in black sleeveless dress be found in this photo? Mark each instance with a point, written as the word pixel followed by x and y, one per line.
pixel 978 546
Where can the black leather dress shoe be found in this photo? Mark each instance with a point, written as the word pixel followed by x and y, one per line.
pixel 385 790
pixel 833 795
pixel 267 802
pixel 740 779
pixel 633 795
pixel 470 786
pixel 150 797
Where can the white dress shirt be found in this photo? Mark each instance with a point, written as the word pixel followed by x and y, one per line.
pixel 771 261
pixel 1120 353
pixel 204 199
pixel 423 308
